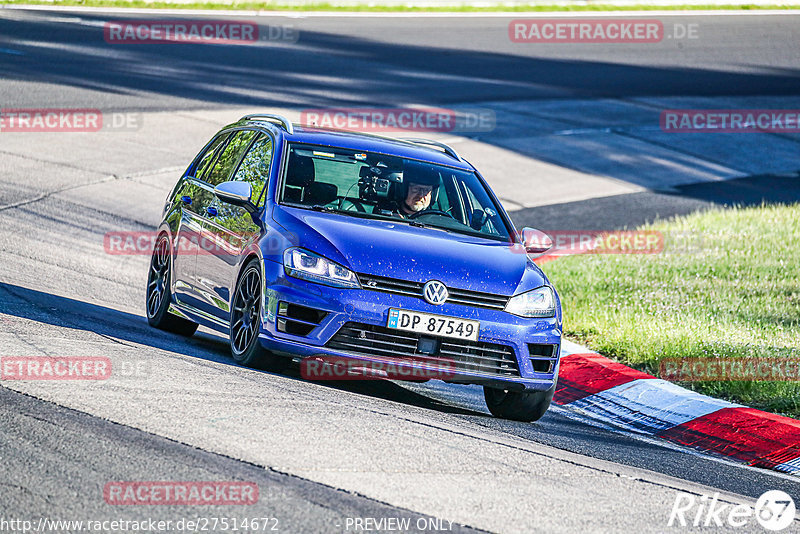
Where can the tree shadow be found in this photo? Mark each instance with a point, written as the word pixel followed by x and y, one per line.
pixel 367 72
pixel 64 312
pixel 635 209
pixel 323 70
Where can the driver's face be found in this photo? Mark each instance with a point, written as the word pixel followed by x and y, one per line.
pixel 419 196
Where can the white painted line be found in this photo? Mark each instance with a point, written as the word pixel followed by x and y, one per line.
pixel 607 129
pixel 582 417
pixel 649 405
pixel 792 466
pixel 568 347
pixel 405 14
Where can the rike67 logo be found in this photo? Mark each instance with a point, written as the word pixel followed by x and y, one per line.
pixel 774 511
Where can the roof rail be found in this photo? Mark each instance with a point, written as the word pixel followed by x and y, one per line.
pixel 280 120
pixel 430 142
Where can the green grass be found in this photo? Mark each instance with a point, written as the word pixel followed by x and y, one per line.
pixel 726 285
pixel 327 6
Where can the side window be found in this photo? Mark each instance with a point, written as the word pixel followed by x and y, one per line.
pixel 229 157
pixel 443 197
pixel 254 168
pixel 474 204
pixel 483 216
pixel 205 161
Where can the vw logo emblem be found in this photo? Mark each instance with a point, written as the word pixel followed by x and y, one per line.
pixel 435 292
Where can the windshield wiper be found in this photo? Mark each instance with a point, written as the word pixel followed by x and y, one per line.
pixel 429 226
pixel 328 209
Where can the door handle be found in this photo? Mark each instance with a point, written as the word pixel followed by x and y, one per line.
pixel 212 211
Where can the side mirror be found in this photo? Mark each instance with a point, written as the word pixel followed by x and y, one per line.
pixel 479 219
pixel 236 193
pixel 535 241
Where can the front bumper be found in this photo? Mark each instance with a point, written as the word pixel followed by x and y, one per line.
pixel 369 307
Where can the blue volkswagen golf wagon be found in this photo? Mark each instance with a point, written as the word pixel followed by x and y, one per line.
pixel 304 243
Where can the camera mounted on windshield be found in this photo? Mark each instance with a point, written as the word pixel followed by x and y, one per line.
pixel 375 181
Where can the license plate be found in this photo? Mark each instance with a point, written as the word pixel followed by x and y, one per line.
pixel 434 325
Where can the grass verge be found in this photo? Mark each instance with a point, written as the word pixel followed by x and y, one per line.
pixel 727 285
pixel 368 7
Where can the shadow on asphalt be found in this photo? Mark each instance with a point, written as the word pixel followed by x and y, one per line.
pixel 107 322
pixel 554 429
pixel 375 72
pixel 635 209
pixel 330 70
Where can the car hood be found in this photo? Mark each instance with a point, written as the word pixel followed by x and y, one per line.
pixel 397 250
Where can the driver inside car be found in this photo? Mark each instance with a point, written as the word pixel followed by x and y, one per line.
pixel 421 184
pixel 417 199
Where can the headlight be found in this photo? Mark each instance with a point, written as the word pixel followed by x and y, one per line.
pixel 540 302
pixel 309 266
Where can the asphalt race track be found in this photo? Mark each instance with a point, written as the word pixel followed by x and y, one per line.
pixel 575 144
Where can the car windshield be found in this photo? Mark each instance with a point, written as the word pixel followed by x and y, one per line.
pixel 378 186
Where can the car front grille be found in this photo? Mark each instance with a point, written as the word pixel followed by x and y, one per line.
pixel 461 355
pixel 414 289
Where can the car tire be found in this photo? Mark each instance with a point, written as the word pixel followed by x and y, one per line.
pixel 159 294
pixel 245 322
pixel 524 406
